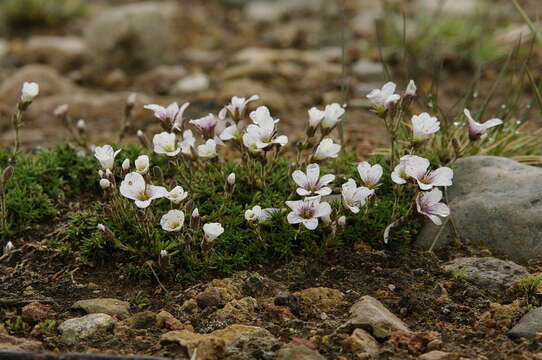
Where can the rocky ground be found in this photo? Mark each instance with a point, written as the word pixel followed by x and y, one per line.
pixel 460 303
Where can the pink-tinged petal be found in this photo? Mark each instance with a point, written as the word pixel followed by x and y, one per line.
pixel 303 192
pixel 294 205
pixel 311 224
pixel 354 209
pixel 300 178
pixel 416 166
pixel 323 191
pixel 435 219
pixel 441 177
pixel 491 123
pixel 313 174
pixel 323 209
pixel 433 197
pixel 155 108
pixel 440 209
pixel 326 179
pixel 294 218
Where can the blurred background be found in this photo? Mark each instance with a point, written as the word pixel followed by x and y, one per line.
pixel 295 54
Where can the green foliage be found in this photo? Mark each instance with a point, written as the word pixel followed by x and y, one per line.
pixel 459 274
pixel 41 12
pixel 16 325
pixel 531 288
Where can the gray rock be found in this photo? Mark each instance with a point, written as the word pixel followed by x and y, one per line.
pixel 271 11
pixel 104 305
pixel 371 315
pixel 160 79
pixel 496 202
pixel 135 36
pixel 61 52
pixel 369 70
pixel 487 272
pixel 528 325
pixel 294 351
pixel 191 83
pixel 82 328
pixel 362 341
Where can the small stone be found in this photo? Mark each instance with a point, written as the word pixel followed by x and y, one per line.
pixel 190 306
pixel 369 314
pixel 238 310
pixel 165 320
pixel 191 83
pixel 295 351
pixel 362 341
pixel 142 320
pixel 528 325
pixel 322 297
pixel 35 312
pixel 61 52
pixel 82 328
pixel 104 305
pixel 439 355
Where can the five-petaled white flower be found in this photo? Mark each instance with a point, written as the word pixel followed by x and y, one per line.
pixel 417 168
pixel 311 182
pixel 354 197
pixel 236 108
pixel 29 91
pixel 332 115
pixel 172 114
pixel 478 130
pixel 428 204
pixel 212 230
pixel 327 149
pixel 142 164
pixel 423 126
pixel 383 99
pixel 165 143
pixel 206 124
pixel 207 150
pixel 106 156
pixel 176 195
pixel 307 211
pixel 370 175
pixel 173 220
pixel 262 133
pixel 134 188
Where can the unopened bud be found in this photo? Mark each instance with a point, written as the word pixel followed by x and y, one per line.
pixel 163 259
pixel 61 110
pixel 157 173
pixel 105 184
pixel 126 165
pixel 101 227
pixel 143 139
pixel 195 213
pixel 130 101
pixel 7 174
pixel 231 179
pixel 411 89
pixel 189 206
pixel 81 125
pixel 8 248
pixel 101 173
pixel 342 221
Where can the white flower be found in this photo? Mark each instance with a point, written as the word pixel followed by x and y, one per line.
pixel 416 168
pixel 428 204
pixel 327 149
pixel 142 164
pixel 195 212
pixel 106 156
pixel 101 227
pixel 332 115
pixel 212 230
pixel 8 248
pixel 126 164
pixel 399 175
pixel 423 126
pixel 308 211
pixel 383 98
pixel 173 220
pixel 478 130
pixel 315 116
pixel 253 214
pixel 231 179
pixel 165 143
pixel 206 124
pixel 341 221
pixel 30 91
pixel 134 188
pixel 176 195
pixel 236 108
pixel 207 150
pixel 188 142
pixel 171 114
pixel 411 89
pixel 262 133
pixel 311 182
pixel 354 197
pixel 230 132
pixel 370 175
pixel 105 184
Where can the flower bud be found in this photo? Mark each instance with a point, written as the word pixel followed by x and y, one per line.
pixel 130 101
pixel 108 174
pixel 143 139
pixel 411 89
pixel 61 111
pixel 7 174
pixel 126 165
pixel 101 227
pixel 101 173
pixel 231 179
pixel 189 206
pixel 81 125
pixel 342 221
pixel 105 184
pixel 195 213
pixel 8 248
pixel 163 259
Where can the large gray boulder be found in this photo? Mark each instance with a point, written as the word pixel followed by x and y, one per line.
pixel 495 202
pixel 133 37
